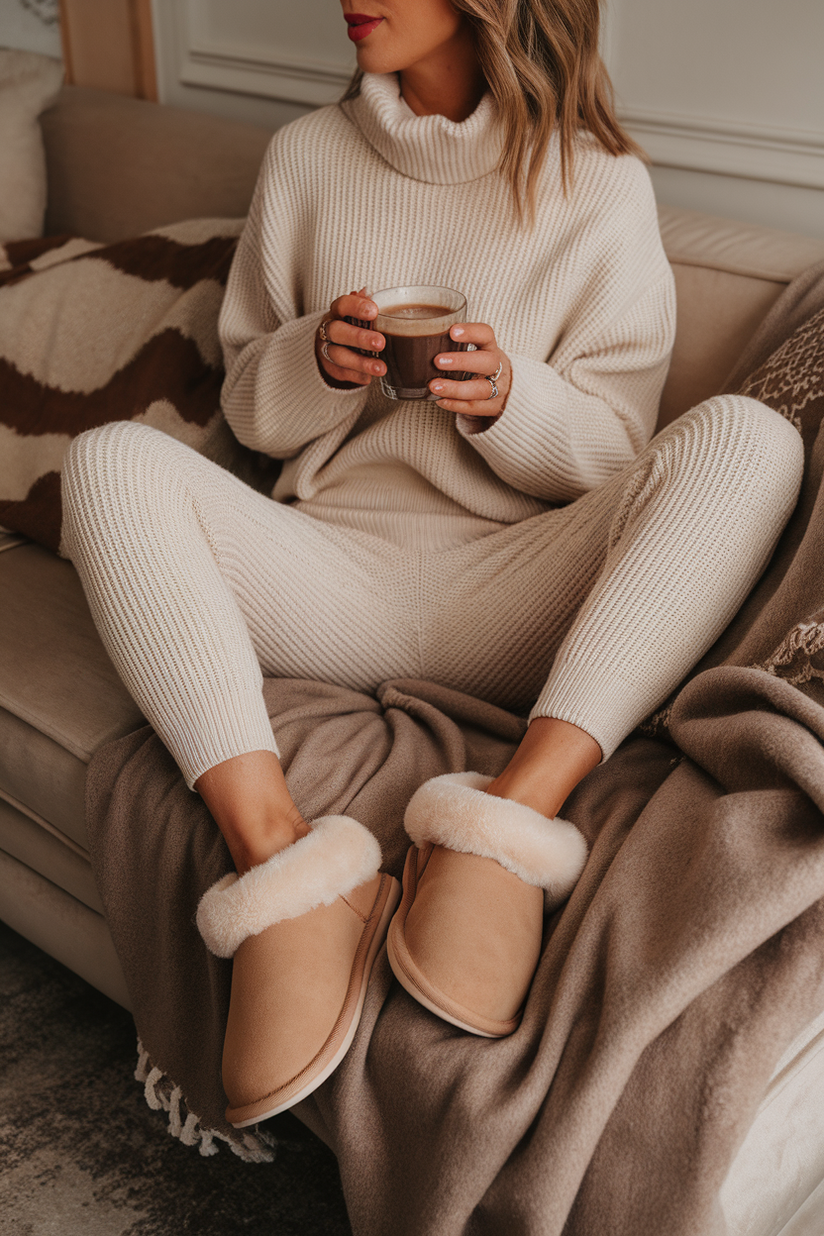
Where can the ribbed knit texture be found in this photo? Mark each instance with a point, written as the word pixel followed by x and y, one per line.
pixel 370 194
pixel 407 547
pixel 195 581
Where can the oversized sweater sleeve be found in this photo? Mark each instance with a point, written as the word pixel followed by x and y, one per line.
pixel 274 396
pixel 574 420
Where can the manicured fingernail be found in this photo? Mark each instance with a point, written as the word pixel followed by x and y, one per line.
pixel 456 332
pixel 436 387
pixel 443 361
pixel 376 344
pixel 378 369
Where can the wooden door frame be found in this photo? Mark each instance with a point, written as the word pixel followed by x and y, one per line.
pixel 123 61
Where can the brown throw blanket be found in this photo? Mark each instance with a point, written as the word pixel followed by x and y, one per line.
pixel 689 956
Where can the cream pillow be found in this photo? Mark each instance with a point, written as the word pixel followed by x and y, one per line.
pixel 29 83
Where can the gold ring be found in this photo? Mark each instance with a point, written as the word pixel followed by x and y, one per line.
pixel 494 392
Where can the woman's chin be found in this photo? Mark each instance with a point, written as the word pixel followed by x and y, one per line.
pixel 376 53
pixel 370 60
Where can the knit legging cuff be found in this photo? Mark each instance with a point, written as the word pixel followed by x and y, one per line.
pixel 237 725
pixel 605 708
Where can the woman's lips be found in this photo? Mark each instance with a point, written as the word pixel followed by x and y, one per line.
pixel 361 24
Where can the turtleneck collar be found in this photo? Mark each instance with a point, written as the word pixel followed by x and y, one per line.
pixel 429 148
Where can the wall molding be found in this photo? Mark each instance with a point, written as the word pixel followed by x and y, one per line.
pixel 262 70
pixel 781 156
pixel 295 80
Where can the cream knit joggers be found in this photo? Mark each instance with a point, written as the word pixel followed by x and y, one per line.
pixel 596 610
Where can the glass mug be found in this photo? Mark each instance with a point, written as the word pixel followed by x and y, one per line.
pixel 415 321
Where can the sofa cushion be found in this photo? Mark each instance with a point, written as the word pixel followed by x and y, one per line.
pixel 92 333
pixel 60 696
pixel 33 841
pixel 62 926
pixel 120 166
pixel 28 84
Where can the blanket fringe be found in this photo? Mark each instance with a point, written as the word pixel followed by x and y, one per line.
pixel 163 1095
pixel 800 645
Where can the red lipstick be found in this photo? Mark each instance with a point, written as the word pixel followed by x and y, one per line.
pixel 361 24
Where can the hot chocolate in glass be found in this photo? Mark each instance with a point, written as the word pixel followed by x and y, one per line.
pixel 415 321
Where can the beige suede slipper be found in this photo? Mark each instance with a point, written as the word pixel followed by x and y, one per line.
pixel 304 929
pixel 466 939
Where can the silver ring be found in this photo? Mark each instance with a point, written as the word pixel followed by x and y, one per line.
pixel 494 392
pixel 497 372
pixel 324 351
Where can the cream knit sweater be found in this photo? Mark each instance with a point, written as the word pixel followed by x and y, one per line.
pixel 367 193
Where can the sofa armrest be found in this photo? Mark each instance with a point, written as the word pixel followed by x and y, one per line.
pixel 728 274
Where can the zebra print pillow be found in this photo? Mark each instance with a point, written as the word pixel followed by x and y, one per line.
pixel 91 333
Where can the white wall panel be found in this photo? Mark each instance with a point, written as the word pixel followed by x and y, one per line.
pixel 295 54
pixel 726 88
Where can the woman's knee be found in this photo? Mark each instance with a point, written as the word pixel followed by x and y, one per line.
pixel 736 436
pixel 108 470
pixel 99 455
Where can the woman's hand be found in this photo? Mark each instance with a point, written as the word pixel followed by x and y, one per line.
pixel 476 398
pixel 339 364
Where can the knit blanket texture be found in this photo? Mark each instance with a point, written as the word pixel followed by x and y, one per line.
pixel 687 959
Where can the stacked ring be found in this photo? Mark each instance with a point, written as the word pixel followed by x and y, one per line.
pixel 324 342
pixel 493 381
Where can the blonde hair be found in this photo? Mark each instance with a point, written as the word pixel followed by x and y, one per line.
pixel 541 62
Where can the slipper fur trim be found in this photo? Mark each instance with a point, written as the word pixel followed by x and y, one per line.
pixel 339 854
pixel 453 811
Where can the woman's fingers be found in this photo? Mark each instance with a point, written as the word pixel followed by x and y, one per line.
pixel 339 353
pixel 484 363
pixel 474 394
pixel 355 305
pixel 479 333
pixel 348 336
pixel 482 397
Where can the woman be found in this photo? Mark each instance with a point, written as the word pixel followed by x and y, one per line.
pixel 515 539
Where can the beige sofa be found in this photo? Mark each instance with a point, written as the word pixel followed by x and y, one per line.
pixel 117 167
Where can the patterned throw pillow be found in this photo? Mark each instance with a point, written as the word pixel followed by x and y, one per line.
pixel 91 333
pixel 791 380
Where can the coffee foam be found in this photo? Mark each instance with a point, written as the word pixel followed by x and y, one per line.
pixel 452 303
pixel 415 327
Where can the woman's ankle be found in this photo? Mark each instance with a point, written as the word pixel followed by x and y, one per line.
pixel 258 842
pixel 529 790
pixel 251 805
pixel 552 758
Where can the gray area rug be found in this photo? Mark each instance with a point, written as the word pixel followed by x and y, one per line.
pixel 81 1153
